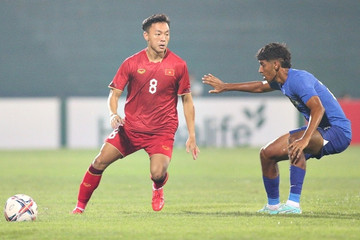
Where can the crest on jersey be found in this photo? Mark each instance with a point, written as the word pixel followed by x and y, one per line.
pixel 170 72
pixel 165 147
pixel 141 70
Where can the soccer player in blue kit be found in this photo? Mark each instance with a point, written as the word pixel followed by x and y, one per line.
pixel 327 132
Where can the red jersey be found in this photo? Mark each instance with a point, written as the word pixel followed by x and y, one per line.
pixel 153 90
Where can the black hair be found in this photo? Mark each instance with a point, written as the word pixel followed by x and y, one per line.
pixel 154 19
pixel 273 51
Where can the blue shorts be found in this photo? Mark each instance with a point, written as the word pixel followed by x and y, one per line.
pixel 335 141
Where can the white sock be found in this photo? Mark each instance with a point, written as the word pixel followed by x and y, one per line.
pixel 292 203
pixel 273 207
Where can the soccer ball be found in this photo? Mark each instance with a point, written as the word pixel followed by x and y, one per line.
pixel 19 208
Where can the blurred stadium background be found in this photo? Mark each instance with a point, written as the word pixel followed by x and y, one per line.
pixel 57 58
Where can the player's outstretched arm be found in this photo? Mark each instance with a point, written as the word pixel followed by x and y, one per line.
pixel 219 86
pixel 189 112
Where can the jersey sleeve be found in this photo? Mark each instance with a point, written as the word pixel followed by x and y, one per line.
pixel 184 81
pixel 305 88
pixel 121 77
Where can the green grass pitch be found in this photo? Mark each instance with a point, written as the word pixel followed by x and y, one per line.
pixel 214 197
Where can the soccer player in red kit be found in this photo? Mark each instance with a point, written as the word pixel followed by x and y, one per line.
pixel 154 77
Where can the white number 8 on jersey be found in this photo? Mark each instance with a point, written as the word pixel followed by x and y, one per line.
pixel 153 84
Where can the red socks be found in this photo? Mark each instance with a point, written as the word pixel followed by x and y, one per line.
pixel 91 181
pixel 88 185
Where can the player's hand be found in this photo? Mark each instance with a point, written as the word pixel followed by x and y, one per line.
pixel 296 148
pixel 213 81
pixel 116 121
pixel 192 147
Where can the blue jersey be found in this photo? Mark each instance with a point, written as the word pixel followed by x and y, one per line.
pixel 300 86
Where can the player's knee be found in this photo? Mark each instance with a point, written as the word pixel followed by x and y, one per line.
pixel 158 176
pixel 268 154
pixel 264 153
pixel 100 162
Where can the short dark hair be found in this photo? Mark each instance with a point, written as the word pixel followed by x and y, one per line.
pixel 273 51
pixel 154 19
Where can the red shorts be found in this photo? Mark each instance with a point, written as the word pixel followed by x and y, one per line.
pixel 128 142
